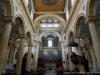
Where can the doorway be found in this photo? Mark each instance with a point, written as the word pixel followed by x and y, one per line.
pixel 50 69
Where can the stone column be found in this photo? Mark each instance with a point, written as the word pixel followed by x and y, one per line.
pixel 4 39
pixel 7 54
pixel 71 65
pixel 93 58
pixel 14 54
pixel 36 55
pixel 63 56
pixel 13 51
pixel 79 51
pixel 95 39
pixel 6 57
pixel 19 61
pixel 29 54
pixel 10 56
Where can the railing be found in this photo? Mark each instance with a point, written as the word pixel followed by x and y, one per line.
pixel 50 47
pixel 59 72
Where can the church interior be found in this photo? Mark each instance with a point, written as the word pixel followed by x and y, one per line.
pixel 49 37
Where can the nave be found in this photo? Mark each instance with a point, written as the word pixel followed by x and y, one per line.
pixel 49 37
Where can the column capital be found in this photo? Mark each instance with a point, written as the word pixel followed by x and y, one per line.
pixel 22 35
pixel 63 41
pixel 30 44
pixel 35 41
pixel 91 18
pixel 8 19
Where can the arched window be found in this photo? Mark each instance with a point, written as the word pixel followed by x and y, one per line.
pixel 50 42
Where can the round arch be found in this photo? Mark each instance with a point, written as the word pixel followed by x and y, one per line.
pixel 82 31
pixel 80 23
pixel 17 29
pixel 80 15
pixel 77 25
pixel 36 21
pixel 20 23
pixel 44 33
pixel 21 17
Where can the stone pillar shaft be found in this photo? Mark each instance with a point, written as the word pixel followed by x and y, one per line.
pixel 63 58
pixel 36 56
pixel 93 58
pixel 96 41
pixel 19 61
pixel 4 38
pixel 71 65
pixel 7 54
pixel 10 55
pixel 79 50
pixel 29 53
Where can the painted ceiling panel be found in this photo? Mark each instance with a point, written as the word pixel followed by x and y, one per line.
pixel 49 5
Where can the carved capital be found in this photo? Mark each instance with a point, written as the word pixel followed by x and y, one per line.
pixel 30 44
pixel 63 41
pixel 22 35
pixel 91 19
pixel 77 36
pixel 8 19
